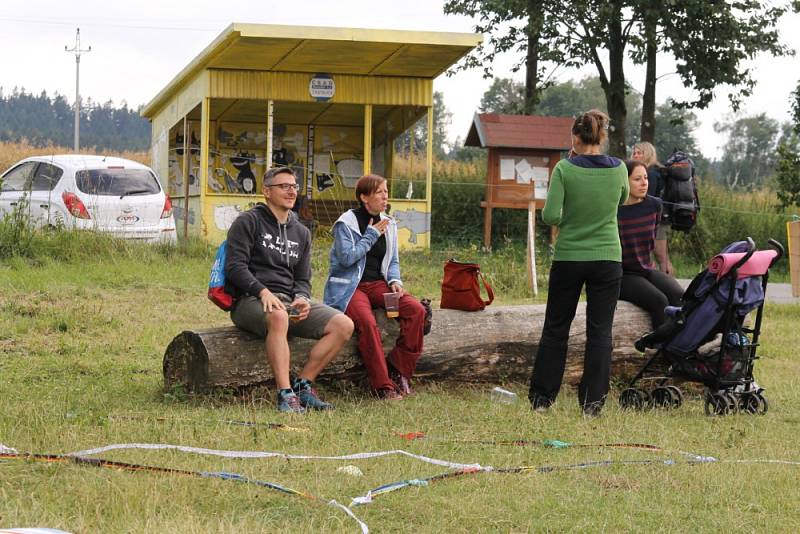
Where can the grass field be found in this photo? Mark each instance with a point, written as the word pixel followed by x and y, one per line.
pixel 81 346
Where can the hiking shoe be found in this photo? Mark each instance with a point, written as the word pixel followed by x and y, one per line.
pixel 308 396
pixel 289 403
pixel 389 394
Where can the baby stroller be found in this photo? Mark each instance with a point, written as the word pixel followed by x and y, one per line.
pixel 705 340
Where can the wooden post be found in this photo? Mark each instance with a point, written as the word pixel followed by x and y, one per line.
pixel 793 233
pixel 487 226
pixel 531 256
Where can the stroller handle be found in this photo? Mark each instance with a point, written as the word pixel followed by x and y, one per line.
pixel 774 243
pixel 751 248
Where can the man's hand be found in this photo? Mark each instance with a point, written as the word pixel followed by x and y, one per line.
pixel 302 306
pixel 667 268
pixel 269 301
pixel 397 288
pixel 380 226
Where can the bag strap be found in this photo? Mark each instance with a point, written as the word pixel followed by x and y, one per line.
pixel 488 288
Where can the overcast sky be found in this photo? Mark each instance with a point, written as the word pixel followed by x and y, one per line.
pixel 138 47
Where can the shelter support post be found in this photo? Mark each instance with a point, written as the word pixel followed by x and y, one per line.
pixel 185 171
pixel 429 162
pixel 270 115
pixel 205 131
pixel 367 139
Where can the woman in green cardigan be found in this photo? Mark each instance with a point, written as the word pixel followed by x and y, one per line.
pixel 585 191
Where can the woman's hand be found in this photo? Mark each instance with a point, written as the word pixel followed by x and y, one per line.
pixel 380 226
pixel 397 288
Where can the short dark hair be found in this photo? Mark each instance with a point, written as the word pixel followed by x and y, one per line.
pixel 631 164
pixel 273 173
pixel 368 184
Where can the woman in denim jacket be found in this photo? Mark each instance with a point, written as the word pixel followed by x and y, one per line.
pixel 363 266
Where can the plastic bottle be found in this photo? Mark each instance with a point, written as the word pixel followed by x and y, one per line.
pixel 503 395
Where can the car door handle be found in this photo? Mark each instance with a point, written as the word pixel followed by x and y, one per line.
pixel 44 206
pixel 12 203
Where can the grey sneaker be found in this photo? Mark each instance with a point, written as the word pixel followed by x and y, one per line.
pixel 308 397
pixel 289 403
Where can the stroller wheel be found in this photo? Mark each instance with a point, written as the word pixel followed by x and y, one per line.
pixel 677 396
pixel 662 398
pixel 719 404
pixel 633 399
pixel 753 403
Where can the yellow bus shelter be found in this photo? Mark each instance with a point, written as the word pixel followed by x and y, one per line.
pixel 333 103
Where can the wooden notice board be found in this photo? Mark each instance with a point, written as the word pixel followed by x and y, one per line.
pixel 516 177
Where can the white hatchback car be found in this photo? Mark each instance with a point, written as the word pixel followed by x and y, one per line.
pixel 101 193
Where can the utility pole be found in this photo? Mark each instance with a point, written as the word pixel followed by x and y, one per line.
pixel 77 51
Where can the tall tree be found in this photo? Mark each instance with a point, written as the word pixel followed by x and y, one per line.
pixel 528 27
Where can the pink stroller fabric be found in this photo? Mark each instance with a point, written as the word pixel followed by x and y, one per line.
pixel 757 265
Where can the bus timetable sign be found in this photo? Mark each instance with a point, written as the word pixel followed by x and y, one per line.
pixel 322 88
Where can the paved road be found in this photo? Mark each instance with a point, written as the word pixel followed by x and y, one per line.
pixel 777 293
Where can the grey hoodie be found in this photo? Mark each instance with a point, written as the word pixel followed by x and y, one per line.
pixel 264 253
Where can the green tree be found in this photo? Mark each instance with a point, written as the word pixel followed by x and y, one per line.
pixel 748 155
pixel 504 96
pixel 787 168
pixel 525 26
pixel 712 43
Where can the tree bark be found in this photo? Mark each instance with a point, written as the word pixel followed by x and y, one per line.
pixel 648 129
pixel 494 345
pixel 615 90
pixel 534 30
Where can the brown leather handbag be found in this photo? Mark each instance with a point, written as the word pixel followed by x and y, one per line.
pixel 460 287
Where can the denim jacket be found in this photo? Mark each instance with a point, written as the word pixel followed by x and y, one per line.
pixel 349 257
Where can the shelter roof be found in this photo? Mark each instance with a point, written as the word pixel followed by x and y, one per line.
pixel 367 52
pixel 519 131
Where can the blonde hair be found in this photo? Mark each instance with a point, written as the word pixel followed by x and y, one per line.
pixel 649 156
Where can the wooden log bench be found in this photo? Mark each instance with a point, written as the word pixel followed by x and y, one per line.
pixel 494 345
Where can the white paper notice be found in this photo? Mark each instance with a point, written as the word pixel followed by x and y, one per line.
pixel 541 178
pixel 541 174
pixel 506 169
pixel 524 172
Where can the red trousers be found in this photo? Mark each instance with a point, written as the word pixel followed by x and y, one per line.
pixel 408 348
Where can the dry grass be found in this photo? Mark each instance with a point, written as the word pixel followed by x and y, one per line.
pixel 11 153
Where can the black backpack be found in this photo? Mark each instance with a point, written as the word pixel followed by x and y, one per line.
pixel 681 202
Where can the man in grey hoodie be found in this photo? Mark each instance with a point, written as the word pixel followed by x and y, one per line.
pixel 268 271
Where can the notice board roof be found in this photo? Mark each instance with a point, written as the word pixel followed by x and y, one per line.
pixel 367 52
pixel 520 131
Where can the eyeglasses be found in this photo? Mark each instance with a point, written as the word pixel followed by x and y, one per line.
pixel 286 187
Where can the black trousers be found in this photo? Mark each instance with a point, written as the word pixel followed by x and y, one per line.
pixel 653 291
pixel 567 278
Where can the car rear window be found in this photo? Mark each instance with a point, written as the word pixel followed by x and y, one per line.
pixel 117 182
